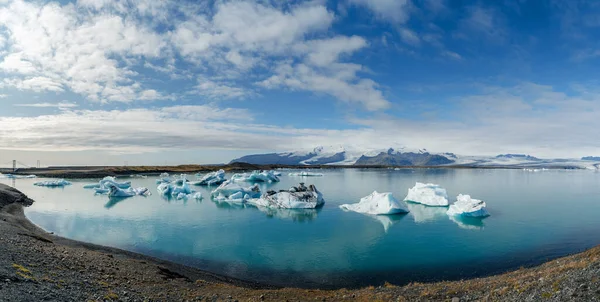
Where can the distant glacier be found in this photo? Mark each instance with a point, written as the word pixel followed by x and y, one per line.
pixel 340 155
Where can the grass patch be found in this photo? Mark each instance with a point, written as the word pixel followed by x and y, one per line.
pixel 21 268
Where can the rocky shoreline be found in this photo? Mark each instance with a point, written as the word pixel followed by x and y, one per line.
pixel 37 266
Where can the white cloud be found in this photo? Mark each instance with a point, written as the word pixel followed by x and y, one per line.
pixel 60 105
pixel 395 11
pixel 2 96
pixel 496 120
pixel 215 91
pixel 409 37
pixel 95 48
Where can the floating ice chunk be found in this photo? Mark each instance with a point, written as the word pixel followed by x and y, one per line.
pixel 428 194
pixel 164 178
pixel 305 174
pixel 212 179
pixel 13 176
pixel 106 181
pixel 232 192
pixel 164 189
pixel 468 207
pixel 196 196
pixel 296 198
pixel 377 204
pixel 256 176
pixel 276 173
pixel 53 183
pixel 115 191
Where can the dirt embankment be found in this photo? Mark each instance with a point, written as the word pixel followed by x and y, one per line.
pixel 102 171
pixel 37 266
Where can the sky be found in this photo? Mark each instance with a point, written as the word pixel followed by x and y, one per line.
pixel 176 82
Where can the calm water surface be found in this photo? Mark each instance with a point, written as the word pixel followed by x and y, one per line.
pixel 534 216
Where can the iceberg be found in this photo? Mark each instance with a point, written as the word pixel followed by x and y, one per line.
pixel 53 183
pixel 115 191
pixel 256 176
pixel 212 179
pixel 179 189
pixel 164 178
pixel 106 182
pixel 13 176
pixel 468 207
pixel 377 204
pixel 305 174
pixel 299 197
pixel 232 192
pixel 428 194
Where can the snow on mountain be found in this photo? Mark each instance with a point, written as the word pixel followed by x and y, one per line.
pixel 400 156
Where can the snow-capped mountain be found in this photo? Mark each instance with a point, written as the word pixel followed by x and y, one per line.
pixel 340 155
pixel 400 156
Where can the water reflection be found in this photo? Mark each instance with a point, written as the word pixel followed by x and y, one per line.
pixel 297 215
pixel 424 214
pixel 468 223
pixel 388 220
pixel 112 201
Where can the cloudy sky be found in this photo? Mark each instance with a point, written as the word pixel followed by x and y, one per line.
pixel 167 82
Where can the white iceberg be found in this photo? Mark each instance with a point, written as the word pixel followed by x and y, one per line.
pixel 53 183
pixel 468 207
pixel 296 198
pixel 377 204
pixel 164 178
pixel 255 176
pixel 232 192
pixel 13 176
pixel 305 174
pixel 115 191
pixel 107 181
pixel 212 179
pixel 179 189
pixel 428 194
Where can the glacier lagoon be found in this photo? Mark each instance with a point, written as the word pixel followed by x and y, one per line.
pixel 534 217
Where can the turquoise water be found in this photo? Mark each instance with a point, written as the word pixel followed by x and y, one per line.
pixel 534 216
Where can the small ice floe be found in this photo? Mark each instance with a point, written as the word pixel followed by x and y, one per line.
pixel 276 173
pixel 212 179
pixel 428 194
pixel 234 193
pixel 164 178
pixel 13 176
pixel 114 191
pixel 534 169
pixel 103 185
pixel 299 197
pixel 377 204
pixel 466 206
pixel 255 176
pixel 53 183
pixel 179 189
pixel 138 176
pixel 305 174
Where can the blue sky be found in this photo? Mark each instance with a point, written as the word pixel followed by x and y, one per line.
pixel 155 82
